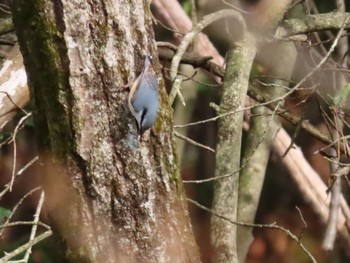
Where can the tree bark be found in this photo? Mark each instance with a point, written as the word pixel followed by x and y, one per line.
pixel 110 197
pixel 228 151
pixel 279 59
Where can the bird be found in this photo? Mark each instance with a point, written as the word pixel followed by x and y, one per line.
pixel 143 97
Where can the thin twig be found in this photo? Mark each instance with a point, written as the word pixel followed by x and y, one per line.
pixel 35 226
pixel 179 135
pixel 237 8
pixel 18 204
pixel 188 38
pixel 14 103
pixel 24 223
pixel 295 134
pixel 294 119
pixel 24 247
pixel 311 129
pixel 5 9
pixel 243 164
pixel 22 120
pixel 317 67
pixel 20 172
pixel 304 222
pixel 269 226
pixel 262 103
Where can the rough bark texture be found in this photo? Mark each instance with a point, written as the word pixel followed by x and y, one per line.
pixel 111 197
pixel 279 59
pixel 262 130
pixel 228 152
pixel 312 23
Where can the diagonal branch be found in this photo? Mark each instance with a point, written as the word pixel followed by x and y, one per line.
pixel 188 38
pixel 244 224
pixel 24 247
pixel 312 23
pixel 35 226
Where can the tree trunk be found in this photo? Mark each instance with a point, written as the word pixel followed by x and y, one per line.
pixel 110 197
pixel 228 152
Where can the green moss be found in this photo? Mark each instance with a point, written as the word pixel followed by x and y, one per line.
pixel 42 47
pixel 77 255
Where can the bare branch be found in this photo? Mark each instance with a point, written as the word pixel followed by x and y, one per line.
pixel 24 247
pixel 171 13
pixel 179 135
pixel 269 226
pixel 24 223
pixel 312 23
pixel 20 172
pixel 247 160
pixel 22 120
pixel 304 222
pixel 308 181
pixel 188 38
pixel 17 205
pixel 35 226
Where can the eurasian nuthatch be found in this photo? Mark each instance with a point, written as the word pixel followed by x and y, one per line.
pixel 143 98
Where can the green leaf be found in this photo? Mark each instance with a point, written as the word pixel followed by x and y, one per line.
pixel 341 96
pixel 4 213
pixel 186 6
pixel 29 121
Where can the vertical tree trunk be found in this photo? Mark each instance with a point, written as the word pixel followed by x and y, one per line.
pixel 279 59
pixel 228 152
pixel 111 197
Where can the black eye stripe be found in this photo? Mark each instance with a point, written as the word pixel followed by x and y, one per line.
pixel 143 115
pixel 141 121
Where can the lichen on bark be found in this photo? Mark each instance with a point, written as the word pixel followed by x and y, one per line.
pixel 120 200
pixel 238 64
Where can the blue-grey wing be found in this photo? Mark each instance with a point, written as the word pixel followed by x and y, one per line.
pixel 149 79
pixel 147 92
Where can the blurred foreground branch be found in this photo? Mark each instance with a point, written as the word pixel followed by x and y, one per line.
pixel 312 23
pixel 14 93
